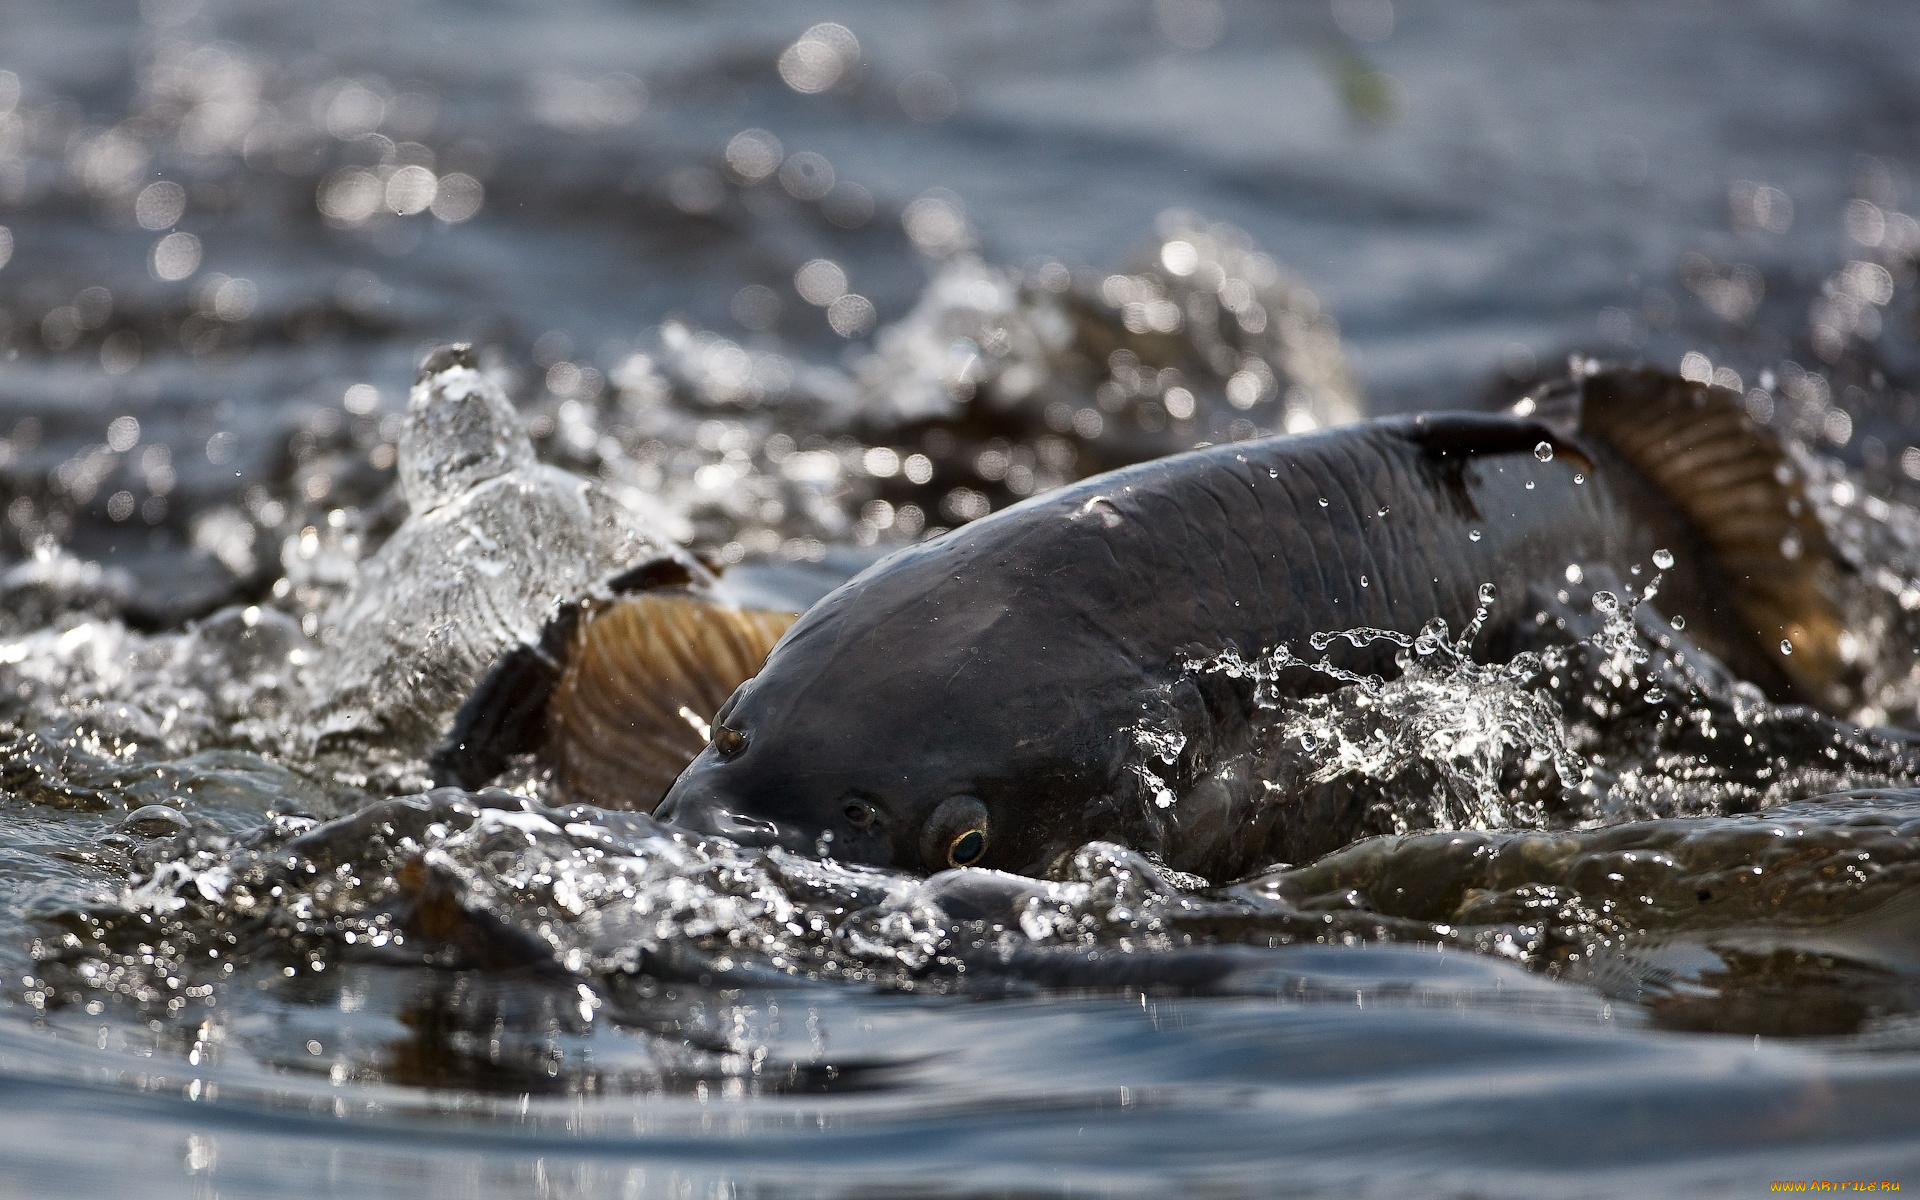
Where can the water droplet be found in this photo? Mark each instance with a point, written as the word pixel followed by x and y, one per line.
pixel 1273 473
pixel 1606 603
pixel 1544 452
pixel 1382 512
pixel 1786 647
pixel 1363 581
pixel 1574 573
pixel 1529 485
pixel 1473 536
pixel 1679 622
pixel 1488 593
pixel 1663 559
pixel 1323 502
pixel 1579 478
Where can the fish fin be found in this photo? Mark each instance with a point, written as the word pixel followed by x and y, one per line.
pixel 506 714
pixel 1743 494
pixel 1449 441
pixel 1457 436
pixel 672 570
pixel 643 676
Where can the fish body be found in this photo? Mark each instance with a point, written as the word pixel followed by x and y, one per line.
pixel 977 700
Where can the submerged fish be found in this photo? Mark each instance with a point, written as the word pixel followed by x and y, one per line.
pixel 976 700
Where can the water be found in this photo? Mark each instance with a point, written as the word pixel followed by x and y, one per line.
pixel 790 285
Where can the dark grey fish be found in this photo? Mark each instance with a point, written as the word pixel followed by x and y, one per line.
pixel 968 701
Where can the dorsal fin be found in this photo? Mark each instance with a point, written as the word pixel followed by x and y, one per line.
pixel 1463 435
pixel 1735 482
pixel 1452 440
pixel 643 676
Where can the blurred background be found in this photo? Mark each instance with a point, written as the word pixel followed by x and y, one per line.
pixel 798 281
pixel 679 229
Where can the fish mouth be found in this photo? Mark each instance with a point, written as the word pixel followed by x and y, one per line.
pixel 710 815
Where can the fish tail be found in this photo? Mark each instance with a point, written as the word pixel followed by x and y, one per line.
pixel 617 696
pixel 1736 485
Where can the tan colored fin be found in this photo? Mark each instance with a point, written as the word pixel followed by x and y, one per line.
pixel 644 675
pixel 1736 484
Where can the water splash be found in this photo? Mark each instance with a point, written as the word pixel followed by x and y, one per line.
pixel 1608 713
pixel 1464 726
pixel 494 545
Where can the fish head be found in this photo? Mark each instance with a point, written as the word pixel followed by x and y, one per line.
pixel 920 757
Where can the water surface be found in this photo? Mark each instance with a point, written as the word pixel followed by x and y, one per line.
pixel 795 283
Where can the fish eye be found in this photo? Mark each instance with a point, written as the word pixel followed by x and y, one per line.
pixel 956 834
pixel 728 743
pixel 860 814
pixel 967 848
